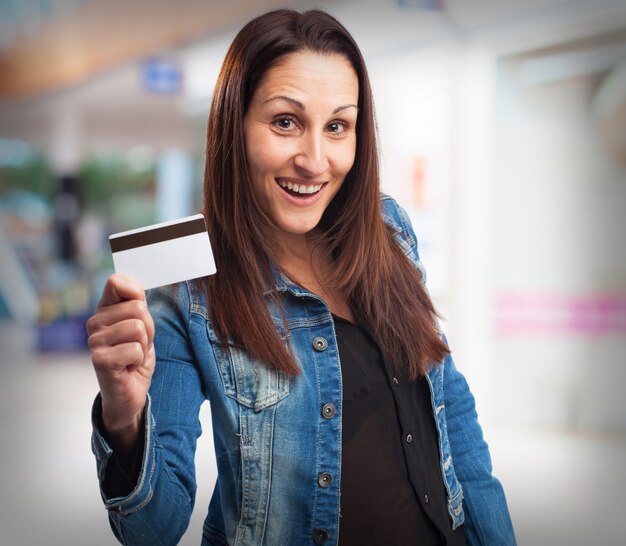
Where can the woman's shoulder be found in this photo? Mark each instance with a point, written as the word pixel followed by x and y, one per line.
pixel 395 216
pixel 187 297
pixel 388 205
pixel 397 219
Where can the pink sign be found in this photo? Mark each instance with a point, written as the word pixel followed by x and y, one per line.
pixel 531 313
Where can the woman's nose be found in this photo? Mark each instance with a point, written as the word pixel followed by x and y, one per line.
pixel 311 157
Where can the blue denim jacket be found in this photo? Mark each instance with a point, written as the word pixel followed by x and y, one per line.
pixel 271 438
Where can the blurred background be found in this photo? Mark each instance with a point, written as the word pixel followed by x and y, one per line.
pixel 502 132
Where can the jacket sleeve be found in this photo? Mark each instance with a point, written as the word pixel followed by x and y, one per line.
pixel 158 509
pixel 487 519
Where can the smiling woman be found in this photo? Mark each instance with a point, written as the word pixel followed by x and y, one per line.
pixel 338 414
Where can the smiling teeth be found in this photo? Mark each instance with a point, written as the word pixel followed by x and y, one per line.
pixel 300 188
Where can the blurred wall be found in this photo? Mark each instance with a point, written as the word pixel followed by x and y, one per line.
pixel 561 270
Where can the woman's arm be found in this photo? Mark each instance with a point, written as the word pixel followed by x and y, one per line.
pixel 487 519
pixel 158 509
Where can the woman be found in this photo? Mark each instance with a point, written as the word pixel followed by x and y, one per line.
pixel 338 414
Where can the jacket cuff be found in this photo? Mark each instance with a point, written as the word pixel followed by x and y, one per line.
pixel 142 493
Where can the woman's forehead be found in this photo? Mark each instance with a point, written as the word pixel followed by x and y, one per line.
pixel 306 74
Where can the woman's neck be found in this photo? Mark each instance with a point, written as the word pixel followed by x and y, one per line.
pixel 294 247
pixel 308 263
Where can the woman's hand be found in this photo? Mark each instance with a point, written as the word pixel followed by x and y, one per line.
pixel 121 334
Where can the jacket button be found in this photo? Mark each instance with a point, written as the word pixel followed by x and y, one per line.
pixel 395 381
pixel 328 411
pixel 325 479
pixel 320 343
pixel 409 438
pixel 426 498
pixel 320 536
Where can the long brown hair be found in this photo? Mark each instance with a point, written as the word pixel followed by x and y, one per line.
pixel 382 286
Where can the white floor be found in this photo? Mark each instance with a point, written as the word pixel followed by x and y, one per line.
pixel 562 489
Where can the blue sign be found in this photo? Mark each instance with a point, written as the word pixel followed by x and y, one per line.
pixel 162 76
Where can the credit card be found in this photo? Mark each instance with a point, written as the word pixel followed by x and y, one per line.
pixel 164 253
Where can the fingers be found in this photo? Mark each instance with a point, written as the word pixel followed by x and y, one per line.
pixel 121 332
pixel 119 357
pixel 111 315
pixel 119 288
pixel 121 335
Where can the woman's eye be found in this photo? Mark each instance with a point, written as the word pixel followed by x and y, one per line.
pixel 336 127
pixel 284 123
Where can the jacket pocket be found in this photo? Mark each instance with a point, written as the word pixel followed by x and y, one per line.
pixel 251 382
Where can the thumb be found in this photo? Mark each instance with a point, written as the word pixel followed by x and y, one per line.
pixel 120 288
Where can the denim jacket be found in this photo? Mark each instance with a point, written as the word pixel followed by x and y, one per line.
pixel 272 438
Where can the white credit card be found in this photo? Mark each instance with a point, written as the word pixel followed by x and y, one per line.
pixel 164 253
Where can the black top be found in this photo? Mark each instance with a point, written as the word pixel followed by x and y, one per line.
pixel 392 491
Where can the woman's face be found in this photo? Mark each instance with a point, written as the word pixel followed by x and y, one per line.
pixel 300 133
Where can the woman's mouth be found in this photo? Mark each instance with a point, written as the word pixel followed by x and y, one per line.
pixel 299 189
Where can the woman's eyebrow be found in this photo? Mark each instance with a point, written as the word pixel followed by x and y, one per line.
pixel 302 107
pixel 340 108
pixel 289 99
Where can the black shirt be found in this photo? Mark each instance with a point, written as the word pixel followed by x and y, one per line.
pixel 392 491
